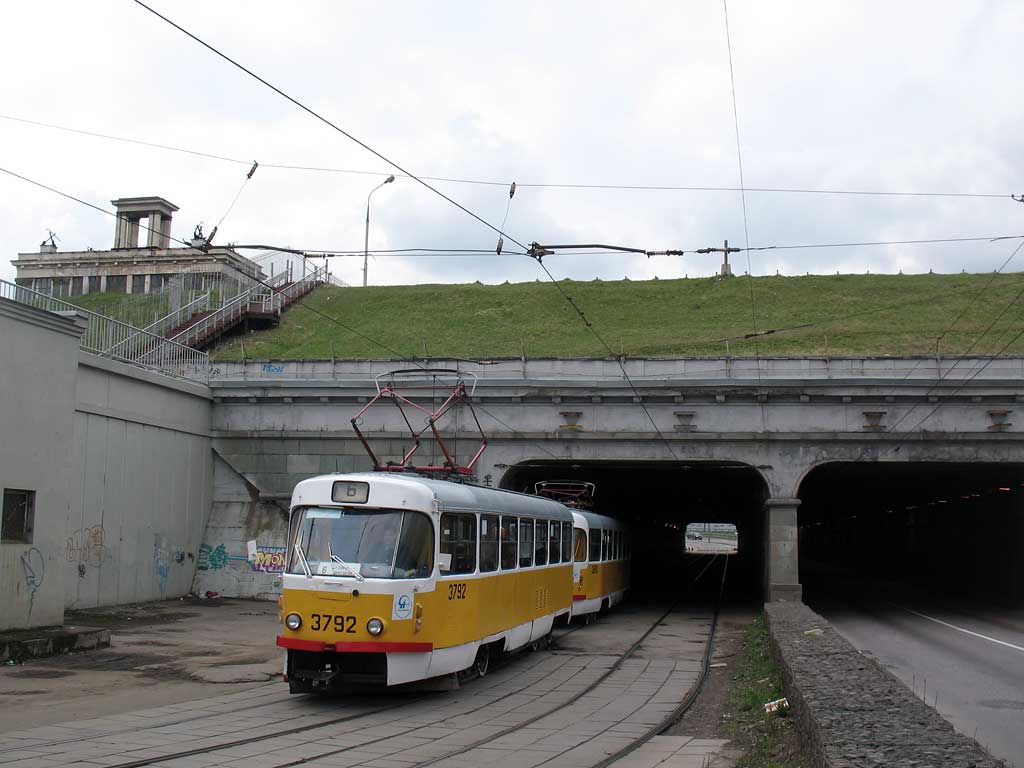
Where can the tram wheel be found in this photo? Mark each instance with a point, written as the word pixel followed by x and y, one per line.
pixel 589 618
pixel 299 686
pixel 483 660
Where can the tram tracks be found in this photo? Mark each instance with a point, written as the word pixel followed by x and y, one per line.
pixel 425 730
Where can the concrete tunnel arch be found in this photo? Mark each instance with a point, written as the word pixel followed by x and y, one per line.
pixel 650 493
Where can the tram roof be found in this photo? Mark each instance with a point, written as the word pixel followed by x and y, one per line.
pixel 594 520
pixel 449 496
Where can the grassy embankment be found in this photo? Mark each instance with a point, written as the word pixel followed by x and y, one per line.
pixel 768 740
pixel 816 315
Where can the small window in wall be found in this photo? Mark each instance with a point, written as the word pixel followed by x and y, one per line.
pixel 138 283
pixel 156 282
pixel 595 545
pixel 117 283
pixel 488 543
pixel 555 542
pixel 580 546
pixel 458 540
pixel 95 282
pixel 540 549
pixel 18 516
pixel 525 543
pixel 566 542
pixel 76 286
pixel 509 543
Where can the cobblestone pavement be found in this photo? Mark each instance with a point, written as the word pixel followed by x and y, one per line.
pixel 528 712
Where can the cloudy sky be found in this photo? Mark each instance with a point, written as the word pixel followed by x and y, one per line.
pixel 883 96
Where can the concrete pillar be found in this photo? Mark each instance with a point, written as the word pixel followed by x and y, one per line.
pixel 133 234
pixel 781 555
pixel 156 228
pixel 146 287
pixel 119 231
pixel 103 283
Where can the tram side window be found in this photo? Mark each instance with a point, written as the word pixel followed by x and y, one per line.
pixel 606 544
pixel 458 539
pixel 540 548
pixel 509 543
pixel 566 542
pixel 595 545
pixel 617 546
pixel 488 543
pixel 525 543
pixel 555 542
pixel 580 545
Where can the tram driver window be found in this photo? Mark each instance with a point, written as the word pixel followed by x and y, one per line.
pixel 540 549
pixel 509 542
pixel 458 539
pixel 414 558
pixel 525 543
pixel 488 543
pixel 580 545
pixel 595 545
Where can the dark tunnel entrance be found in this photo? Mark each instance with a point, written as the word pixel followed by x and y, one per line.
pixel 954 529
pixel 658 500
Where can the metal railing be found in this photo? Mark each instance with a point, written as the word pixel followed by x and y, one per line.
pixel 257 299
pixel 112 338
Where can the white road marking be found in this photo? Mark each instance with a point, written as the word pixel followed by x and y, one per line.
pixel 965 631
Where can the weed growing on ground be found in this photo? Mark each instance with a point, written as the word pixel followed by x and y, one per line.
pixel 767 740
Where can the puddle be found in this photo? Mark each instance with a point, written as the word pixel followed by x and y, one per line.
pixel 1001 704
pixel 40 674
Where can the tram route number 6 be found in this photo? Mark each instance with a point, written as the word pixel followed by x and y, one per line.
pixel 325 621
pixel 456 591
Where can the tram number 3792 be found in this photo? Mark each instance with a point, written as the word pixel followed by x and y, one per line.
pixel 456 591
pixel 325 621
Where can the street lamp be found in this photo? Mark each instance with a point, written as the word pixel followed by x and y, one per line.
pixel 366 239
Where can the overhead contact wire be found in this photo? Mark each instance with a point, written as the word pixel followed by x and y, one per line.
pixel 327 122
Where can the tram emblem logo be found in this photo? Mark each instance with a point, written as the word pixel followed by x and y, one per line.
pixel 402 608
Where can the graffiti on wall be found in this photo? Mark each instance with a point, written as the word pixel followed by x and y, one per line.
pixel 87 546
pixel 269 559
pixel 161 561
pixel 212 558
pixel 33 571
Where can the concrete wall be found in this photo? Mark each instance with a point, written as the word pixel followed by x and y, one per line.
pixel 39 351
pixel 237 518
pixel 143 479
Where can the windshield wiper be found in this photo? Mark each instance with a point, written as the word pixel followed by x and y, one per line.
pixel 303 561
pixel 339 561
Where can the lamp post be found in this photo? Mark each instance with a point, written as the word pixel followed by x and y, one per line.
pixel 366 239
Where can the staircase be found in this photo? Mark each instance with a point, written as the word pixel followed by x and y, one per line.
pixel 261 305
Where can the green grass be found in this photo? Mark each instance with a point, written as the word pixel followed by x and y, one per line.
pixel 768 740
pixel 816 315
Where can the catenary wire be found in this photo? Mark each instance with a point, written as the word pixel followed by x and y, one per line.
pixel 590 326
pixel 743 198
pixel 535 185
pixel 300 303
pixel 327 122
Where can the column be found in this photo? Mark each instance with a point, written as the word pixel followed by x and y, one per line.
pixel 156 229
pixel 781 553
pixel 103 284
pixel 146 287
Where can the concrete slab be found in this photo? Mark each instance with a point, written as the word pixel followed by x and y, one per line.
pixel 40 642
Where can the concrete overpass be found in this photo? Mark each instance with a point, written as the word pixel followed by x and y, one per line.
pixel 741 440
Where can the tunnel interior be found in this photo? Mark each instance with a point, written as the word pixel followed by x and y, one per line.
pixel 658 500
pixel 955 529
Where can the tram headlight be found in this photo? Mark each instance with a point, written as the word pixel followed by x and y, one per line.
pixel 293 621
pixel 375 626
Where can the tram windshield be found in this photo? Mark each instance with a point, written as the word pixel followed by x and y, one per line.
pixel 362 543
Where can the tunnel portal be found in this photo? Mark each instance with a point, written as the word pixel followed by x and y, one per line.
pixel 658 500
pixel 954 527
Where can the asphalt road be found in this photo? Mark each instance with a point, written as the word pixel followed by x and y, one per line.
pixel 964 658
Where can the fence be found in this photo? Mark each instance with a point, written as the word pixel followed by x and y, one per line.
pixel 120 341
pixel 257 299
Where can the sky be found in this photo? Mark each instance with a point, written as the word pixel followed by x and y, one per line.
pixel 870 96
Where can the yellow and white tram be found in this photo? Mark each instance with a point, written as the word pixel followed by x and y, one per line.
pixel 601 570
pixel 395 578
